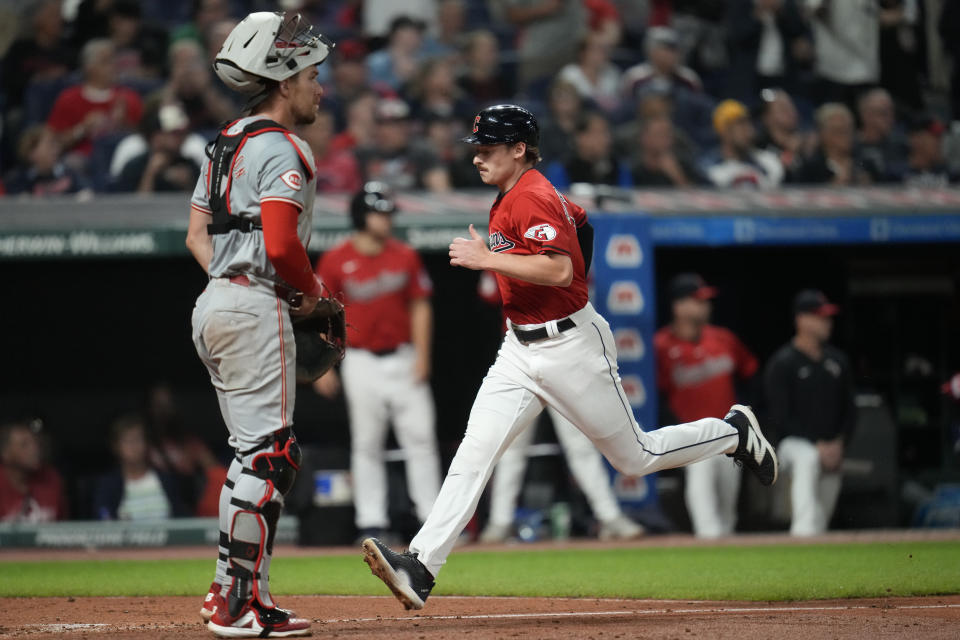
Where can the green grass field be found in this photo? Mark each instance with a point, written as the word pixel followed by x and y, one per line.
pixel 789 572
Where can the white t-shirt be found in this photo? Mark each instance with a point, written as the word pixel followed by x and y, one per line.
pixel 144 499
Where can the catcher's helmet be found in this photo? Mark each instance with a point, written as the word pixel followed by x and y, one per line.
pixel 268 46
pixel 375 197
pixel 504 124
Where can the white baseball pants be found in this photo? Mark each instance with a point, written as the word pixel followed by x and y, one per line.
pixel 711 491
pixel 813 491
pixel 585 462
pixel 575 372
pixel 380 390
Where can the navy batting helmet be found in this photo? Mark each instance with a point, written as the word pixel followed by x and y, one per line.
pixel 504 124
pixel 376 197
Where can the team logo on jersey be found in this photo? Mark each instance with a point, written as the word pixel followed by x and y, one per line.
pixel 623 251
pixel 541 233
pixel 293 179
pixel 625 297
pixel 629 344
pixel 635 391
pixel 498 242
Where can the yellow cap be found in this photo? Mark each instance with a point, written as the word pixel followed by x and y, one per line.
pixel 727 112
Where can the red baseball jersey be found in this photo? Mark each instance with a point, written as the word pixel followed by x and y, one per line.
pixel 377 291
pixel 533 218
pixel 697 377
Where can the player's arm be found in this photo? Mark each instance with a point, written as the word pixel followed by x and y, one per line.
pixel 421 332
pixel 284 249
pixel 198 240
pixel 550 269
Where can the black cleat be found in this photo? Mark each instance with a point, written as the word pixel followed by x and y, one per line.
pixel 403 573
pixel 754 451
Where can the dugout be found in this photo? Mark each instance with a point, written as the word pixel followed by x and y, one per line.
pixel 100 293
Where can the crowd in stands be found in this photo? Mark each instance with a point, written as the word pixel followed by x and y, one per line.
pixel 119 95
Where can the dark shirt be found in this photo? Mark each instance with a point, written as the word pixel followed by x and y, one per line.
pixel 167 179
pixel 885 161
pixel 59 181
pixel 644 176
pixel 807 398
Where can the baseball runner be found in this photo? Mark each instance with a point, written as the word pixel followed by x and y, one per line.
pixel 250 221
pixel 557 352
pixel 584 461
pixel 697 364
pixel 386 291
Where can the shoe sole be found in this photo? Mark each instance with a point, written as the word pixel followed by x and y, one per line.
pixel 382 569
pixel 755 426
pixel 237 632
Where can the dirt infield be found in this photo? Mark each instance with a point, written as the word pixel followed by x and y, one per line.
pixel 932 618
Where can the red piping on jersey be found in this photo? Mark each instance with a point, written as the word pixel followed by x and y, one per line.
pixel 306 165
pixel 283 369
pixel 236 154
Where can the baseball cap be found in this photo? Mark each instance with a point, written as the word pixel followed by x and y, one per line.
pixel 726 113
pixel 813 301
pixel 392 109
pixel 927 124
pixel 691 285
pixel 663 36
pixel 171 117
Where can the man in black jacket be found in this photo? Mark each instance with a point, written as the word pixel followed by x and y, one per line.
pixel 809 392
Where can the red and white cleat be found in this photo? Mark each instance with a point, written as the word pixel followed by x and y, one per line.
pixel 257 621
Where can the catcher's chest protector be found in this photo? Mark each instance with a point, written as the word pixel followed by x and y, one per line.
pixel 223 153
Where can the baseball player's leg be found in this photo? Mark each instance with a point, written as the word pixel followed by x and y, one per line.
pixel 711 495
pixel 802 461
pixel 233 474
pixel 595 402
pixel 586 465
pixel 507 481
pixel 414 421
pixel 502 409
pixel 363 385
pixel 827 493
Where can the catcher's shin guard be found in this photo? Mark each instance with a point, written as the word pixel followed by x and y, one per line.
pixel 267 475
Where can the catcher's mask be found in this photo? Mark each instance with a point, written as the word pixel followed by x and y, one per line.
pixel 267 47
pixel 374 197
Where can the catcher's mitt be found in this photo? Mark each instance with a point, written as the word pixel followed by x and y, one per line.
pixel 321 338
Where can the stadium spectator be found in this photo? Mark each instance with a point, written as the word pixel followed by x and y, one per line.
pixel 216 35
pixel 780 131
pixel 547 35
pixel 394 65
pixel 698 366
pixel 651 106
pixel 593 160
pixel 810 400
pixel 134 490
pixel 846 42
pixel 593 75
pixel 446 40
pixel 336 170
pixel 30 489
pixel 742 164
pixel 901 63
pixel 926 166
pixel 604 20
pixel 442 132
pixel 381 16
pixel 835 161
pixel 95 107
pixel 663 71
pixel 769 43
pixel 42 171
pixel 664 74
pixel 482 76
pixel 173 449
pixel 140 47
pixel 191 83
pixel 434 89
pixel 204 15
pixel 395 158
pixel 40 54
pixel 348 79
pixel 162 167
pixel 881 148
pixel 556 130
pixel 659 164
pixel 361 120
